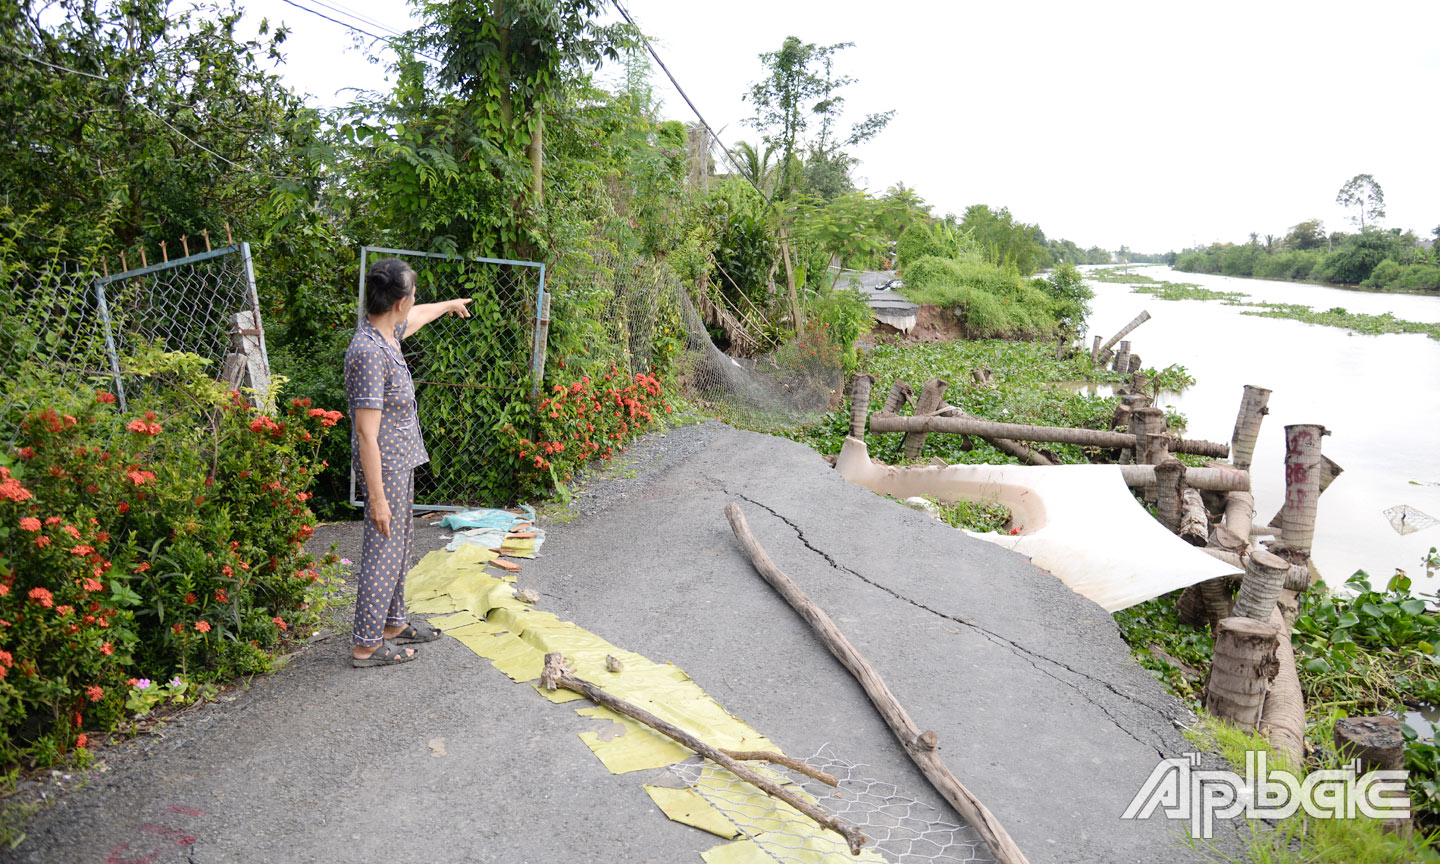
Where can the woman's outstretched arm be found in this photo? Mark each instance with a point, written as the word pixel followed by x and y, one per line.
pixel 423 313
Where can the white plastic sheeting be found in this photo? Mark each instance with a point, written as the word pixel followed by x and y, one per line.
pixel 1080 522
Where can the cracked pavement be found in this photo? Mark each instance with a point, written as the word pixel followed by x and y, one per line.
pixel 1038 707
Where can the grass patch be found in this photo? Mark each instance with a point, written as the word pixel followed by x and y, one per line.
pixel 982 516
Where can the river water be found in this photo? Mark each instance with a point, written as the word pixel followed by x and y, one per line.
pixel 1378 395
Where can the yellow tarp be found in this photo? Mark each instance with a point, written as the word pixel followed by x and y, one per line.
pixel 688 808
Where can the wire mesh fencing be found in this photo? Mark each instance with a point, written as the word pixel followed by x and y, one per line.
pixel 64 327
pixel 472 375
pixel 901 829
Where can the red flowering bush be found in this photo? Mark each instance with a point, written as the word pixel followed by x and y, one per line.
pixel 170 540
pixel 582 420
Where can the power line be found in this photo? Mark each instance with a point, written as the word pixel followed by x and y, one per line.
pixel 663 68
pixel 386 39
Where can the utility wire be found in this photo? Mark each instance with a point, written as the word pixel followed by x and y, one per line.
pixel 663 68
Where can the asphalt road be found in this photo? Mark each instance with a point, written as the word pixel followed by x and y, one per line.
pixel 1038 707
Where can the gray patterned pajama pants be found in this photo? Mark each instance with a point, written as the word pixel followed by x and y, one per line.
pixel 384 561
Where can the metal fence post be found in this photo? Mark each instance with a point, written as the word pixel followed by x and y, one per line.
pixel 110 345
pixel 542 333
pixel 255 305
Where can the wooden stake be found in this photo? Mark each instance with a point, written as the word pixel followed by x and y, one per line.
pixel 900 393
pixel 185 244
pixel 930 396
pixel 1243 665
pixel 229 241
pixel 163 253
pixel 921 746
pixel 1247 424
pixel 860 404
pixel 1095 352
pixel 1169 479
pixel 557 675
pixel 123 265
pixel 206 234
pixel 143 262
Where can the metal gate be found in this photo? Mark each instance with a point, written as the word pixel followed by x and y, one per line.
pixel 471 375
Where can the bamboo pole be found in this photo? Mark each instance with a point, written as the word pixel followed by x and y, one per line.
pixel 1302 485
pixel 1103 351
pixel 921 746
pixel 860 404
pixel 1244 662
pixel 930 397
pixel 556 675
pixel 1247 424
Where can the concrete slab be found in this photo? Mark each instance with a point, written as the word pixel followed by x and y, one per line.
pixel 1039 708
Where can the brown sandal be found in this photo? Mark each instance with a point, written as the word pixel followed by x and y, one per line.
pixel 386 655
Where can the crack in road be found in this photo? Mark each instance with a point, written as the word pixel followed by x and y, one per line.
pixel 1031 657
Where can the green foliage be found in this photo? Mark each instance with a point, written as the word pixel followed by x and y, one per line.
pixel 1066 286
pixel 1390 276
pixel 1028 387
pixel 1358 257
pixel 168 540
pixel 982 516
pixel 919 241
pixel 990 301
pixel 1004 241
pixel 1364 193
pixel 1176 655
pixel 845 316
pixel 800 85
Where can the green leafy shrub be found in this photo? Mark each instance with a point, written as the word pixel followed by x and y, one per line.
pixel 991 301
pixel 1066 286
pixel 845 317
pixel 169 540
pixel 580 421
pixel 916 242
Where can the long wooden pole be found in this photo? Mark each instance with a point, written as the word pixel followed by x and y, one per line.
pixel 919 745
pixel 1020 432
pixel 557 674
pixel 1104 350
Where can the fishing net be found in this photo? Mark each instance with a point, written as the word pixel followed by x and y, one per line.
pixel 900 828
pixel 1407 520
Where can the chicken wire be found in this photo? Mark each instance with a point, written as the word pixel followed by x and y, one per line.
pixel 66 326
pixel 901 829
pixel 468 371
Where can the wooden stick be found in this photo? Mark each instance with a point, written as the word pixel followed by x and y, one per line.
pixel 920 745
pixel 1103 351
pixel 929 422
pixel 556 674
pixel 185 244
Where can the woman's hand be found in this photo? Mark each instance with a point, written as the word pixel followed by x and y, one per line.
pixel 458 306
pixel 424 313
pixel 380 515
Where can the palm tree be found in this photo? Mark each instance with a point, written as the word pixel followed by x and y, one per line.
pixel 755 164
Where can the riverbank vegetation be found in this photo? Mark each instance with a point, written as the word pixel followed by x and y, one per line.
pixel 1372 257
pixel 1357 322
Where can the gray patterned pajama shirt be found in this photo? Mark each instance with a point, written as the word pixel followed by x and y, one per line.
pixel 376 376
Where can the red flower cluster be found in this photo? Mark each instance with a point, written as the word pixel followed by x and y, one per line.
pixel 140 427
pixel 10 488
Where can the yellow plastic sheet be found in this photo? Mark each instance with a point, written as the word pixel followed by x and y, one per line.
pixel 638 749
pixel 688 808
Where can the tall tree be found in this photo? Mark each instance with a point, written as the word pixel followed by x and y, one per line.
pixel 1363 192
pixel 801 86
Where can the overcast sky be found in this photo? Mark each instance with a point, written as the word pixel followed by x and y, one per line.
pixel 1155 125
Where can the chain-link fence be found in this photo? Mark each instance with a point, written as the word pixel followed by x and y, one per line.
pixel 899 828
pixel 472 375
pixel 65 327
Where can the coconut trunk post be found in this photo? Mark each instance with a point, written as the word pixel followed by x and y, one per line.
pixel 1104 350
pixel 931 422
pixel 1302 486
pixel 1151 444
pixel 1207 479
pixel 1379 745
pixel 1282 720
pixel 1329 471
pixel 1242 667
pixel 1194 523
pixel 900 393
pixel 1247 424
pixel 1265 575
pixel 1169 483
pixel 1122 357
pixel 931 396
pixel 1135 364
pixel 860 404
pixel 1095 351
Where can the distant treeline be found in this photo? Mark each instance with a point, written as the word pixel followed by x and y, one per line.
pixel 1387 260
